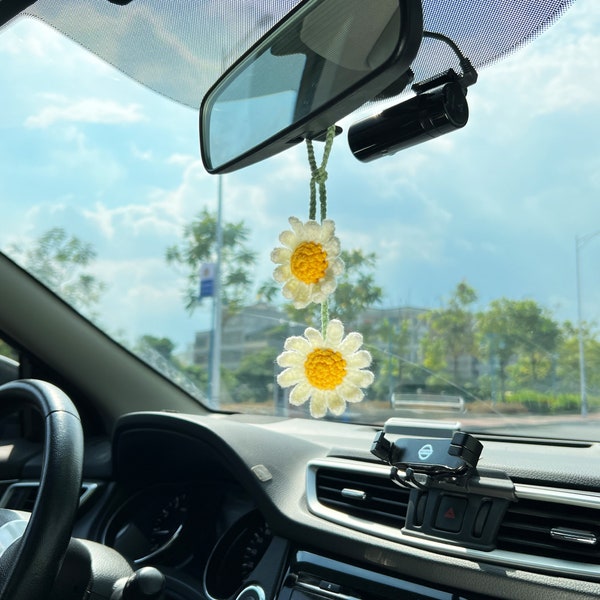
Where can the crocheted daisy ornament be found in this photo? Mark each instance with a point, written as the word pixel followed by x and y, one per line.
pixel 309 262
pixel 324 368
pixel 327 371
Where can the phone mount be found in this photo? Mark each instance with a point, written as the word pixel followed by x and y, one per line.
pixel 450 498
pixel 416 462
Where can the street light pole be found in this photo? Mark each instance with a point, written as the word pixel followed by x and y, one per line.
pixel 580 241
pixel 582 391
pixel 215 375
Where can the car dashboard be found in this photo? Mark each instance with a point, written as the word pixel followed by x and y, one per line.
pixel 261 508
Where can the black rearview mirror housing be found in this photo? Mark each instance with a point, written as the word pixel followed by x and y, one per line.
pixel 320 63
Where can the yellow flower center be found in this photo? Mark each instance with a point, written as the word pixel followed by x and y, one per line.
pixel 325 369
pixel 309 262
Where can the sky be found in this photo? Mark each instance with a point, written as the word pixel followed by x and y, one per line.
pixel 498 203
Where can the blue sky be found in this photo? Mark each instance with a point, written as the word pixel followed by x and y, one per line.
pixel 498 203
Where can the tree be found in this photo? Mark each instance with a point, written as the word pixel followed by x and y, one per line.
pixel 451 334
pixel 538 335
pixel 61 262
pixel 164 346
pixel 521 333
pixel 393 354
pixel 199 245
pixel 568 359
pixel 158 352
pixel 356 290
pixel 256 376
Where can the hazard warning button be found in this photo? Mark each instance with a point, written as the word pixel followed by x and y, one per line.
pixel 451 513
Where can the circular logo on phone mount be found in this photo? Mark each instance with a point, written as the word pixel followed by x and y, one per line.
pixel 425 451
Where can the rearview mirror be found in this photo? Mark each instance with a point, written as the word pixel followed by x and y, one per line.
pixel 324 60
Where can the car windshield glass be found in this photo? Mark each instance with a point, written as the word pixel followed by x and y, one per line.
pixel 470 260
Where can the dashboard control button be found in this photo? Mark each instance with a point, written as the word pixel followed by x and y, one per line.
pixel 330 587
pixel 450 513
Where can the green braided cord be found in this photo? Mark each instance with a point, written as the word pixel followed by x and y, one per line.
pixel 312 207
pixel 318 175
pixel 322 190
pixel 324 316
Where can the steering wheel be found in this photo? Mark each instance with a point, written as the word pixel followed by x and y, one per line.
pixel 29 567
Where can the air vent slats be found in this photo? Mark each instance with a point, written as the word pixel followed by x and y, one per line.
pixel 22 496
pixel 528 525
pixel 382 502
pixel 548 529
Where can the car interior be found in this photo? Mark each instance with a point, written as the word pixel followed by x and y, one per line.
pixel 133 470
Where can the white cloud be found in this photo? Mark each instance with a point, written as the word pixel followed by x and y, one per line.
pixel 145 296
pixel 145 155
pixel 136 278
pixel 132 220
pixel 560 71
pixel 102 218
pixel 181 159
pixel 74 155
pixel 87 110
pixel 161 213
pixel 26 37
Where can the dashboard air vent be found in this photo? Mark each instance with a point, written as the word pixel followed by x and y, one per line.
pixel 22 495
pixel 548 529
pixel 551 529
pixel 365 496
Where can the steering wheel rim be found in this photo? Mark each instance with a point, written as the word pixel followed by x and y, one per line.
pixel 29 568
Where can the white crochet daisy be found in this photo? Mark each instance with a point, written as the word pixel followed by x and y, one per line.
pixel 328 371
pixel 309 261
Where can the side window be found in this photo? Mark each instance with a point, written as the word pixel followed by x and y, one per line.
pixel 9 367
pixel 10 425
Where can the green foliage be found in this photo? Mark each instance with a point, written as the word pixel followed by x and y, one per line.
pixel 356 290
pixel 451 334
pixel 8 351
pixel 199 245
pixel 60 261
pixel 568 358
pixel 522 332
pixel 393 357
pixel 545 403
pixel 256 376
pixel 197 374
pixel 522 375
pixel 159 352
pixel 164 346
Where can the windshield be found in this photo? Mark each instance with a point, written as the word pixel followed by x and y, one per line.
pixel 470 260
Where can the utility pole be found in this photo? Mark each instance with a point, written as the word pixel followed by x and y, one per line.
pixel 580 241
pixel 215 359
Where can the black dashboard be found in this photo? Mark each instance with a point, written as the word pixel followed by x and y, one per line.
pixel 233 507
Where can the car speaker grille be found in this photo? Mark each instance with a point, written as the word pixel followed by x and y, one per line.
pixel 551 529
pixel 364 496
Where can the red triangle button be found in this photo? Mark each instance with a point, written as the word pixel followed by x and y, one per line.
pixel 449 514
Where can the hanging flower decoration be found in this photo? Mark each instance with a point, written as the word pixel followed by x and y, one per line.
pixel 309 262
pixel 326 370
